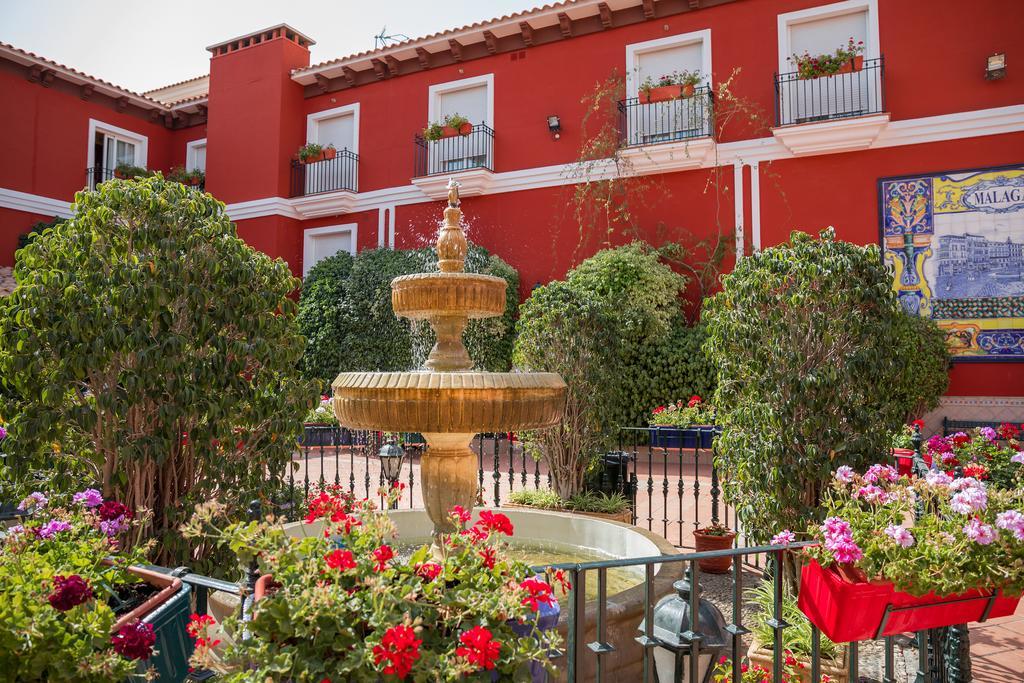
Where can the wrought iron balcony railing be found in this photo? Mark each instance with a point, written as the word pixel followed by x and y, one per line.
pixel 96 175
pixel 456 153
pixel 327 175
pixel 843 95
pixel 653 122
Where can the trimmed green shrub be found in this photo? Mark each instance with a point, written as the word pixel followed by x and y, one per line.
pixel 926 370
pixel 815 367
pixel 345 312
pixel 145 328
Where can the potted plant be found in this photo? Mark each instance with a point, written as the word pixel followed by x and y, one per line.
pixel 191 178
pixel 714 537
pixel 985 453
pixel 673 86
pixel 128 171
pixel 797 640
pixel 321 425
pixel 453 124
pixel 903 447
pixel 341 601
pixel 757 672
pixel 310 153
pixel 846 59
pixel 879 571
pixel 330 151
pixel 676 425
pixel 73 571
pixel 614 506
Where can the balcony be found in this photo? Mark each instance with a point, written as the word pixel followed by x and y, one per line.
pixel 338 174
pixel 100 174
pixel 468 158
pixel 669 135
pixel 837 113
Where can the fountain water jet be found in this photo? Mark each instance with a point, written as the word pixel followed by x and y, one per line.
pixel 447 402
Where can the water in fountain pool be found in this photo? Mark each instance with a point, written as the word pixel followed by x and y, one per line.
pixel 546 554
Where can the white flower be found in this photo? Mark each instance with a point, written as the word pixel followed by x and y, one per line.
pixel 1018 457
pixel 899 534
pixel 844 474
pixel 938 478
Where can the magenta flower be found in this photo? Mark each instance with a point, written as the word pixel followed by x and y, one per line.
pixel 784 537
pixel 979 532
pixel 846 551
pixel 52 528
pixel 1018 457
pixel 35 499
pixel 134 640
pixel 878 473
pixel 69 591
pixel 989 433
pixel 835 526
pixel 844 474
pixel 113 527
pixel 899 534
pixel 90 498
pixel 872 494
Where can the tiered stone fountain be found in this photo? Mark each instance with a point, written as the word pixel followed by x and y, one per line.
pixel 446 401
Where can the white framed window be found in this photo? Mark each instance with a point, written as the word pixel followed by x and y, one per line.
pixel 195 155
pixel 473 98
pixel 675 119
pixel 320 243
pixel 338 126
pixel 110 146
pixel 821 30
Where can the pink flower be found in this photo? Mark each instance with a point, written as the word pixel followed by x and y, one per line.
pixel 1011 520
pixel 90 498
pixel 1018 457
pixel 835 526
pixel 846 551
pixel 52 528
pixel 938 478
pixel 970 496
pixel 872 494
pixel 878 473
pixel 979 532
pixel 784 537
pixel 899 534
pixel 844 474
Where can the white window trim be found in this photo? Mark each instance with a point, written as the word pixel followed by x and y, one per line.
pixel 635 50
pixel 141 141
pixel 313 119
pixel 435 91
pixel 872 46
pixel 190 152
pixel 310 234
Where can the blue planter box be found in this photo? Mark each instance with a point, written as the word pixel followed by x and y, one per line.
pixel 682 437
pixel 325 435
pixel 173 644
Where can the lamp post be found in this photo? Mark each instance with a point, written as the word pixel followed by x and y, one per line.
pixel 674 629
pixel 391 456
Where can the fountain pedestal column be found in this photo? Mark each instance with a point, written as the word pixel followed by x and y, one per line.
pixel 448 474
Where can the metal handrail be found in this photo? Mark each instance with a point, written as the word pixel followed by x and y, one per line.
pixel 327 175
pixel 453 154
pixel 677 120
pixel 837 96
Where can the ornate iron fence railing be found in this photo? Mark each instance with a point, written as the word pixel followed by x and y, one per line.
pixel 843 95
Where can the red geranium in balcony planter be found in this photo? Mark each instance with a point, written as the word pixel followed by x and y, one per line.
pixel 846 611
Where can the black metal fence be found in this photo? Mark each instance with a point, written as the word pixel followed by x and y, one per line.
pixel 96 175
pixel 843 95
pixel 327 175
pixel 650 123
pixel 456 153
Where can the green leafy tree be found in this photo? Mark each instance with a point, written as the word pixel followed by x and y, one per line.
pixel 927 369
pixel 320 316
pixel 146 329
pixel 574 333
pixel 814 363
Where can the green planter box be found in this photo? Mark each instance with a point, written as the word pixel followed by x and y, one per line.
pixel 173 644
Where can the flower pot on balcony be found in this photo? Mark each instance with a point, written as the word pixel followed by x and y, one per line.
pixel 846 609
pixel 330 152
pixel 855 64
pixel 837 670
pixel 705 542
pixel 313 159
pixel 449 132
pixel 168 611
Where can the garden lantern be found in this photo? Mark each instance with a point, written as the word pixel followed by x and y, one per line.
pixel 391 456
pixel 673 630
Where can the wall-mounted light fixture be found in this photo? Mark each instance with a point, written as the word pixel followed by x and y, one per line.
pixel 996 67
pixel 555 127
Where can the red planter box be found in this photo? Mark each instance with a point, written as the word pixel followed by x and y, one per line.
pixel 905 460
pixel 846 611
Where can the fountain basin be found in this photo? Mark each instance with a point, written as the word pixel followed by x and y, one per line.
pixel 467 295
pixel 611 540
pixel 448 402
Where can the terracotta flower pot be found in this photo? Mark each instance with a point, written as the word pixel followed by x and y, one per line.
pixel 855 64
pixel 330 152
pixel 706 542
pixel 168 586
pixel 449 132
pixel 662 93
pixel 313 159
pixel 264 586
pixel 847 609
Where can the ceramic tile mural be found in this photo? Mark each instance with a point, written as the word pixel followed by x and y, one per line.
pixel 955 242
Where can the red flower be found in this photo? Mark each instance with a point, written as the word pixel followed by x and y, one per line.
pixel 919 424
pixel 489 557
pixel 336 508
pixel 959 440
pixel 197 629
pixel 381 556
pixel 428 571
pixel 498 522
pixel 69 591
pixel 134 640
pixel 559 577
pixel 694 401
pixel 479 648
pixel 111 510
pixel 341 560
pixel 976 470
pixel 537 592
pixel 460 513
pixel 659 409
pixel 1007 431
pixel 400 648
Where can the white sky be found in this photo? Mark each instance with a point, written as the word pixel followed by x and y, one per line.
pixel 145 44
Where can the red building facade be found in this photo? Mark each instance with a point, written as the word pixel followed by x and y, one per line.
pixel 765 154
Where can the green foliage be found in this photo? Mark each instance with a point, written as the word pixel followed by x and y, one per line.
pixel 146 330
pixel 585 501
pixel 809 342
pixel 38 642
pixel 797 636
pixel 26 237
pixel 345 312
pixel 309 151
pixel 573 333
pixel 332 608
pixel 926 360
pixel 129 172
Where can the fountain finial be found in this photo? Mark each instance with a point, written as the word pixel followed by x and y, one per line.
pixel 451 241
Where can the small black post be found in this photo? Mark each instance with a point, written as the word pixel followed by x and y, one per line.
pixel 252 573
